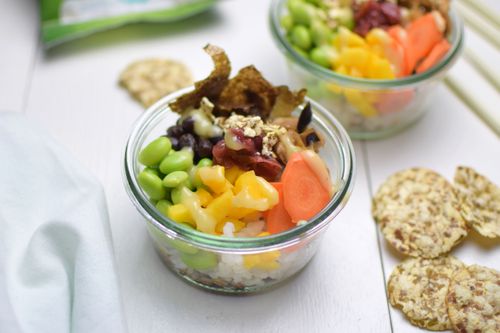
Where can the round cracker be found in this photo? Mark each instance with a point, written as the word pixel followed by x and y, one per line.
pixel 474 300
pixel 419 286
pixel 150 79
pixel 480 200
pixel 418 213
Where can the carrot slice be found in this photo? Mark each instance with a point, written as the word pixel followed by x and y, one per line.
pixel 399 34
pixel 435 56
pixel 424 33
pixel 303 194
pixel 277 218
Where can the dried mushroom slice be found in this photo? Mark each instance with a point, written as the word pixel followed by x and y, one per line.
pixel 480 200
pixel 210 87
pixel 247 93
pixel 419 213
pixel 419 287
pixel 149 80
pixel 474 300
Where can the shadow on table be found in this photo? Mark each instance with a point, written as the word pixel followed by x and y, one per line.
pixel 197 307
pixel 134 32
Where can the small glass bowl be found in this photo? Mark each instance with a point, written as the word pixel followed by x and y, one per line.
pixel 368 109
pixel 237 265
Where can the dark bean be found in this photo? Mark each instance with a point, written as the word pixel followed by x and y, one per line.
pixel 304 118
pixel 311 138
pixel 188 125
pixel 258 142
pixel 175 131
pixel 204 148
pixel 175 143
pixel 216 139
pixel 187 140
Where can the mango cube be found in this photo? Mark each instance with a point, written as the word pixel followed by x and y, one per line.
pixel 214 178
pixel 180 214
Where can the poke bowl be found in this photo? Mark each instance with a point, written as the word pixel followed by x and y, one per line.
pixel 220 236
pixel 370 82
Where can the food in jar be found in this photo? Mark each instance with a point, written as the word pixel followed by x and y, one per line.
pixel 241 161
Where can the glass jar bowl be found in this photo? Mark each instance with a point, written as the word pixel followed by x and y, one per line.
pixel 368 108
pixel 237 265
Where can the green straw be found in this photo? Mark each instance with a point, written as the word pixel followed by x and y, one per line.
pixel 479 25
pixel 481 8
pixel 489 72
pixel 490 117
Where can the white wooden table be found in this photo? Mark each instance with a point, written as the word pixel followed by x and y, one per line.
pixel 72 91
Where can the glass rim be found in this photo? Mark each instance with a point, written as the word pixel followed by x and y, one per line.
pixel 232 244
pixel 285 47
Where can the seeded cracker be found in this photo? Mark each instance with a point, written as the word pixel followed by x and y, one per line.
pixel 474 300
pixel 419 286
pixel 480 199
pixel 418 213
pixel 149 80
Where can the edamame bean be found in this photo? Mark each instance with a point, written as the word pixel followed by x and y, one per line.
pixel 344 16
pixel 301 37
pixel 162 206
pixel 202 260
pixel 152 185
pixel 205 162
pixel 286 22
pixel 155 151
pixel 175 195
pixel 301 52
pixel 152 170
pixel 320 33
pixel 324 55
pixel 175 178
pixel 194 179
pixel 302 12
pixel 319 56
pixel 177 161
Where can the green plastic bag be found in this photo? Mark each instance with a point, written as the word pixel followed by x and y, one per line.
pixel 63 20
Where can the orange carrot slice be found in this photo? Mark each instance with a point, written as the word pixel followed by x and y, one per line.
pixel 438 52
pixel 303 194
pixel 401 37
pixel 277 218
pixel 424 33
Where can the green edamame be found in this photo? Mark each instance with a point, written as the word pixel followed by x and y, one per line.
pixel 175 195
pixel 194 178
pixel 152 185
pixel 175 178
pixel 152 171
pixel 320 33
pixel 205 162
pixel 177 161
pixel 324 55
pixel 286 22
pixel 301 37
pixel 155 151
pixel 162 206
pixel 201 260
pixel 302 12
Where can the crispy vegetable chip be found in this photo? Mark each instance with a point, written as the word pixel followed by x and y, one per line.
pixel 286 101
pixel 209 87
pixel 247 93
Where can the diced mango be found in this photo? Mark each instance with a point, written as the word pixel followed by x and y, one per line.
pixel 180 214
pixel 355 57
pixel 362 105
pixel 254 192
pixel 380 68
pixel 214 178
pixel 203 220
pixel 220 207
pixel 265 261
pixel 239 212
pixel 347 38
pixel 204 196
pixel 377 36
pixel 233 173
